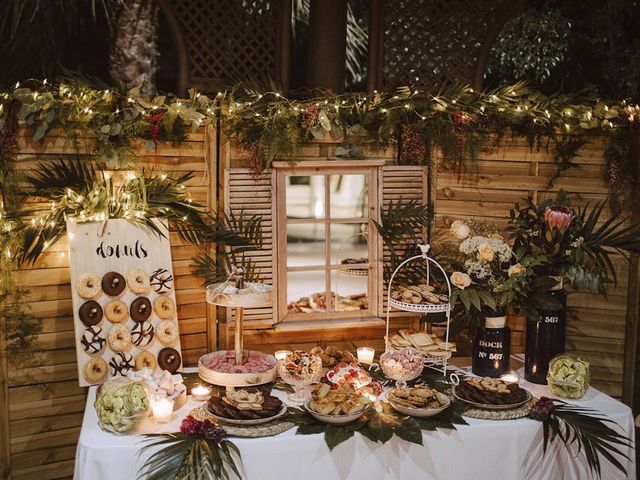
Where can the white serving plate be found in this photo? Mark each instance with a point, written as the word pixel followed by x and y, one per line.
pixel 333 419
pixel 236 379
pixel 421 412
pixel 489 406
pixel 255 421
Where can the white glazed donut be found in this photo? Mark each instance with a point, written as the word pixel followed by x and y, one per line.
pixel 88 285
pixel 167 331
pixel 119 338
pixel 138 281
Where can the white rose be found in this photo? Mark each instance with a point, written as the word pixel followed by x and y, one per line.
pixel 515 269
pixel 460 280
pixel 460 230
pixel 486 252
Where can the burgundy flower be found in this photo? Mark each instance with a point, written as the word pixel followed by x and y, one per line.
pixel 558 217
pixel 201 429
pixel 542 409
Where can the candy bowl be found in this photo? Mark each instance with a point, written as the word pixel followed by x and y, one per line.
pixel 402 366
pixel 300 369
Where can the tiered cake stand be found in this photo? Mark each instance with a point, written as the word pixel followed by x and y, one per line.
pixel 438 363
pixel 239 302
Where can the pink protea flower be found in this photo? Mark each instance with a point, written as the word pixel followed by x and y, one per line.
pixel 558 217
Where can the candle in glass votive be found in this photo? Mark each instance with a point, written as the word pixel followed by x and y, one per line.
pixel 162 410
pixel 509 378
pixel 281 354
pixel 200 393
pixel 365 355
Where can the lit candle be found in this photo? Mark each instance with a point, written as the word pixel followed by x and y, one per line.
pixel 162 410
pixel 200 393
pixel 509 378
pixel 282 354
pixel 365 355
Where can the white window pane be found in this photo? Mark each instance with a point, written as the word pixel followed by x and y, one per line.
pixel 305 196
pixel 349 196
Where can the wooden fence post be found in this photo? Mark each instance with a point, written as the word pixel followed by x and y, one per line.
pixel 5 434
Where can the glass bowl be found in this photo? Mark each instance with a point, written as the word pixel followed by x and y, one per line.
pixel 402 366
pixel 300 369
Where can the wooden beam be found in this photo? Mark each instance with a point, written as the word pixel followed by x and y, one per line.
pixel 5 434
pixel 327 44
pixel 376 47
pixel 283 47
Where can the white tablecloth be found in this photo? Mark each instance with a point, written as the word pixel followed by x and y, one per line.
pixel 507 449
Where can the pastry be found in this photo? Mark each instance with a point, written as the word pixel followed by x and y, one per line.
pixel 428 344
pixel 331 356
pixel 95 371
pixel 416 397
pixel 490 390
pixel 245 404
pixel 119 338
pixel 116 311
pixel 164 307
pixel 113 284
pixel 120 364
pixel 145 360
pixel 167 331
pixel 418 294
pixel 142 334
pixel 90 313
pixel 169 359
pixel 138 281
pixel 92 340
pixel 140 309
pixel 88 285
pixel 161 281
pixel 404 364
pixel 342 399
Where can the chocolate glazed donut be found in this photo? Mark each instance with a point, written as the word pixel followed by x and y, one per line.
pixel 140 309
pixel 90 313
pixel 113 284
pixel 169 359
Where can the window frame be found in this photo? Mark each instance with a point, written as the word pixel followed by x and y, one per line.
pixel 372 169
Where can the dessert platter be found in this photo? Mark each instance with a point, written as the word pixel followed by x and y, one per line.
pixel 418 401
pixel 300 369
pixel 331 356
pixel 245 407
pixel 402 366
pixel 254 368
pixel 491 393
pixel 337 404
pixel 355 267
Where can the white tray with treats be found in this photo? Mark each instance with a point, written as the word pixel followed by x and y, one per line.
pixel 220 368
pixel 418 401
pixel 123 296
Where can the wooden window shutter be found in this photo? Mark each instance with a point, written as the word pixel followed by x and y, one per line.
pixel 252 194
pixel 400 183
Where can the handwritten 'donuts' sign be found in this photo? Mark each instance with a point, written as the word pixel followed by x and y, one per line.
pixel 123 295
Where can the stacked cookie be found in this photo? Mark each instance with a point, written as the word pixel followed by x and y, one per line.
pixel 126 323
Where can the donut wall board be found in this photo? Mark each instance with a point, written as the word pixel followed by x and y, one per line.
pixel 124 302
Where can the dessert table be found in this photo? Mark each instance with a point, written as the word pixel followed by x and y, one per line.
pixel 497 449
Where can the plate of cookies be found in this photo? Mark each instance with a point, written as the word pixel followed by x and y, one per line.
pixel 337 404
pixel 418 401
pixel 428 344
pixel 491 393
pixel 249 406
pixel 419 298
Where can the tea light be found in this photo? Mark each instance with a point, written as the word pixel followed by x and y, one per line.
pixel 365 355
pixel 509 378
pixel 200 393
pixel 162 410
pixel 282 354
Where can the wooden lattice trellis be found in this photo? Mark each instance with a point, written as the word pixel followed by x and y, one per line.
pixel 430 42
pixel 228 40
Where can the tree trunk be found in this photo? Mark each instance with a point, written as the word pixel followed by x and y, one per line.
pixel 133 58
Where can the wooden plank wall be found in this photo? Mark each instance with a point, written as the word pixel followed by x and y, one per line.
pixel 45 402
pixel 513 170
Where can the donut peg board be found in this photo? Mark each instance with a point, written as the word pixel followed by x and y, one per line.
pixel 124 302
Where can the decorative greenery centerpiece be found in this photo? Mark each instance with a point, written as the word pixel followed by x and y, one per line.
pixel 200 450
pixel 574 243
pixel 489 276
